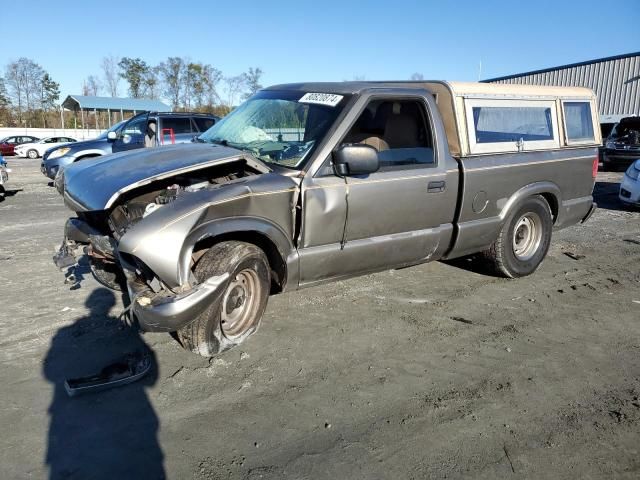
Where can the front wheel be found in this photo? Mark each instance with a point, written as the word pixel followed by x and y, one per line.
pixel 237 313
pixel 32 154
pixel 524 239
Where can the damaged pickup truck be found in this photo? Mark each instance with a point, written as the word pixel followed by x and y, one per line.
pixel 311 183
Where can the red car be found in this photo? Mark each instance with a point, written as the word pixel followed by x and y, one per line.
pixel 7 144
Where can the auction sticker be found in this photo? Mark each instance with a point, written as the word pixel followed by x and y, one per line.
pixel 329 99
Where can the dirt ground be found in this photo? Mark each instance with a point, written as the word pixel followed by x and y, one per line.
pixel 434 371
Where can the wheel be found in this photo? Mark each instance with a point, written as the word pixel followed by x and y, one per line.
pixel 237 314
pixel 108 275
pixel 32 154
pixel 523 240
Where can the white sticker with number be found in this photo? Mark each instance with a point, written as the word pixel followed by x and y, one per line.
pixel 329 99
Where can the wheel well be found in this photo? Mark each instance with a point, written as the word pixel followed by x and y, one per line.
pixel 276 262
pixel 553 204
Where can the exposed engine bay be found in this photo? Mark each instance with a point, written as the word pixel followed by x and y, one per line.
pixel 143 201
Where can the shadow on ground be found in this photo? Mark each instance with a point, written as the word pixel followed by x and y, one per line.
pixel 110 434
pixel 9 193
pixel 605 194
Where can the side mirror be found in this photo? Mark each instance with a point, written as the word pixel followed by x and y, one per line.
pixel 358 159
pixel 112 136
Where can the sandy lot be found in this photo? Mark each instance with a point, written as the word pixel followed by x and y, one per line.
pixel 435 371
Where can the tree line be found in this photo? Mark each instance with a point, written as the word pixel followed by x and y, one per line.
pixel 30 97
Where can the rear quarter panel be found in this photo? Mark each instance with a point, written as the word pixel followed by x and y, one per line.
pixel 494 186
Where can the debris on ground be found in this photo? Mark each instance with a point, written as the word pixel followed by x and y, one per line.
pixel 131 368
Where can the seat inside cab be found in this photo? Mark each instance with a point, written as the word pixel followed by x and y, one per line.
pixel 398 130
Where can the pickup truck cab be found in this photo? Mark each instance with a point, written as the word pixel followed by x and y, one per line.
pixel 317 182
pixel 147 129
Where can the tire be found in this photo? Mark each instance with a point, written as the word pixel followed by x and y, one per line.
pixel 32 154
pixel 223 325
pixel 108 275
pixel 523 241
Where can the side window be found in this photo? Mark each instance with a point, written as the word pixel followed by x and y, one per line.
pixel 399 130
pixel 177 124
pixel 511 125
pixel 203 123
pixel 51 140
pixel 136 127
pixel 578 122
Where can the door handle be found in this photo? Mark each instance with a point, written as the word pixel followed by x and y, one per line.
pixel 436 187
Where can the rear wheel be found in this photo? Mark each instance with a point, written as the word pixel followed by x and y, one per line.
pixel 32 154
pixel 523 241
pixel 237 314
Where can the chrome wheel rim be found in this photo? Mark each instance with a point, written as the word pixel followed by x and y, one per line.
pixel 527 236
pixel 32 154
pixel 239 303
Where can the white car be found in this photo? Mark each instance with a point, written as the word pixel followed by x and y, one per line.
pixel 37 149
pixel 630 186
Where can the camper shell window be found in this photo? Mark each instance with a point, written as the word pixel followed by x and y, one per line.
pixel 506 125
pixel 578 122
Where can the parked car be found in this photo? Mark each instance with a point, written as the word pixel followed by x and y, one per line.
pixel 8 144
pixel 622 147
pixel 630 185
pixel 4 175
pixel 315 182
pixel 37 149
pixel 130 134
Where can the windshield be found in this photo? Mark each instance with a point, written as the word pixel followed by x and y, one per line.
pixel 115 128
pixel 627 132
pixel 281 127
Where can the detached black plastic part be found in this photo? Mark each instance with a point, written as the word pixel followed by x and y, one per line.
pixel 130 369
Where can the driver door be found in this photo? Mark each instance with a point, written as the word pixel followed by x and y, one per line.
pixel 397 216
pixel 131 136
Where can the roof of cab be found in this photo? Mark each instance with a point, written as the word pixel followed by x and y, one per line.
pixel 456 88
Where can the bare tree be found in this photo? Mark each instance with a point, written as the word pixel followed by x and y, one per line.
pixel 111 76
pixel 213 77
pixel 417 76
pixel 93 85
pixel 234 85
pixel 24 78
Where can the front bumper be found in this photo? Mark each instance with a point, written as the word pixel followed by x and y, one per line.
pixel 629 191
pixel 50 168
pixel 163 312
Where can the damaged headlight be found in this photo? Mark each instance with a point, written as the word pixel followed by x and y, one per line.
pixel 633 172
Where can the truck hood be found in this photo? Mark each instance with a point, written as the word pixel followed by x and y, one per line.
pixel 97 184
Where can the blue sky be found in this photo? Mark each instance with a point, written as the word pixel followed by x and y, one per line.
pixel 322 41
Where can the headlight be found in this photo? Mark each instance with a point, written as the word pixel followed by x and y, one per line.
pixel 59 152
pixel 611 145
pixel 633 171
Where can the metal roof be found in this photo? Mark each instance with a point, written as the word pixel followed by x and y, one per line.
pixel 561 67
pixel 82 102
pixel 615 81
